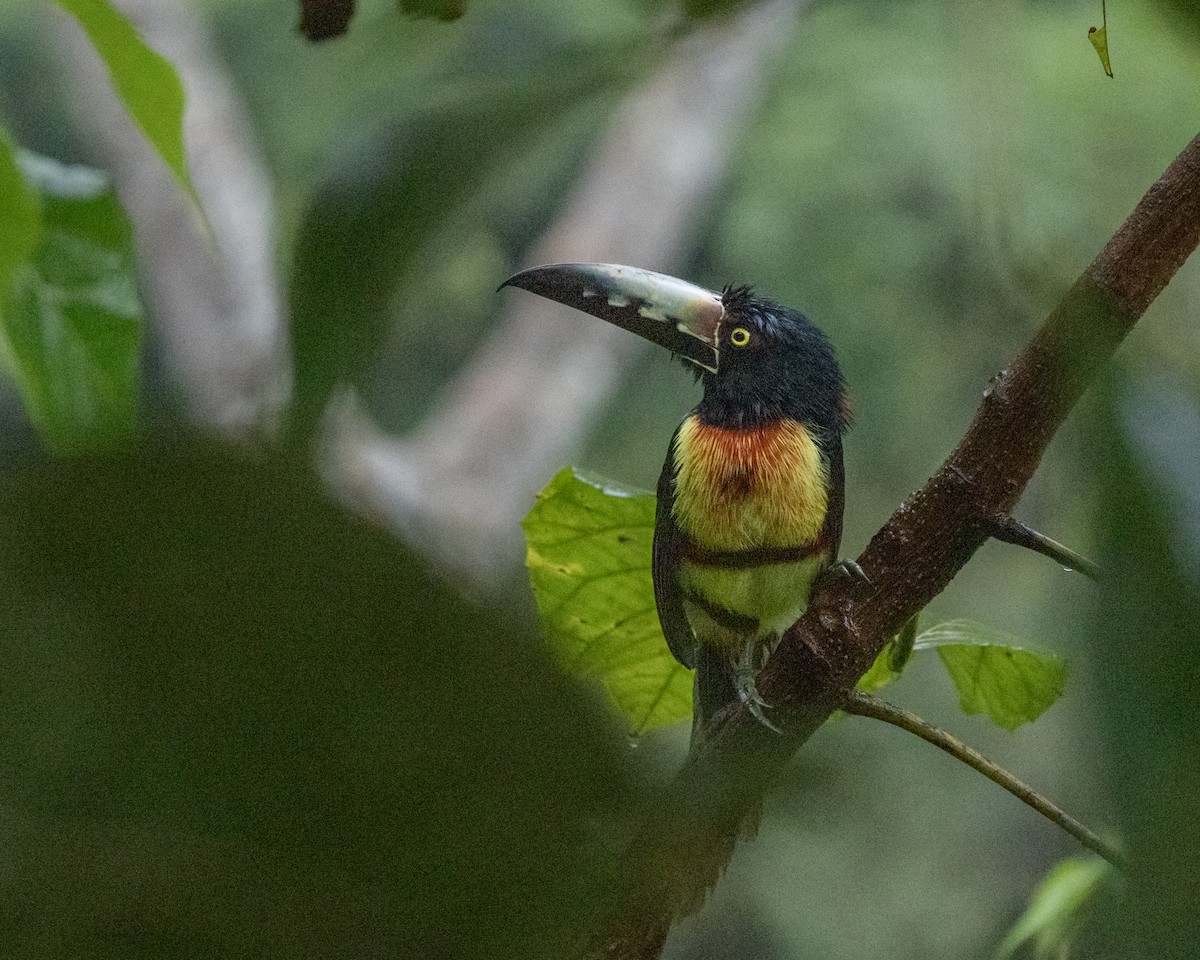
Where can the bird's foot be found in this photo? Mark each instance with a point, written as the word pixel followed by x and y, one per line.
pixel 743 682
pixel 851 571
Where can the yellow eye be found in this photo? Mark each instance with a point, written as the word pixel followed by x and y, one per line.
pixel 739 336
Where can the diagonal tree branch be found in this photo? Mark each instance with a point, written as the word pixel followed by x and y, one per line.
pixel 865 705
pixel 686 840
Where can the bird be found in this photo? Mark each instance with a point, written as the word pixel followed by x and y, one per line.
pixel 752 491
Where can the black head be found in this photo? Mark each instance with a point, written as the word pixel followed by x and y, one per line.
pixel 772 363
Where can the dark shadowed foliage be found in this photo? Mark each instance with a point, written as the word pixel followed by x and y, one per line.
pixel 237 722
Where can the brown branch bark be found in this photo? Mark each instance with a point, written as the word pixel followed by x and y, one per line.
pixel 1008 529
pixel 685 842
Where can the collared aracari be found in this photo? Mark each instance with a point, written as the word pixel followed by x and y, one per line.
pixel 750 498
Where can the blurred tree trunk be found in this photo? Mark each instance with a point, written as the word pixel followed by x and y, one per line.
pixel 459 484
pixel 214 301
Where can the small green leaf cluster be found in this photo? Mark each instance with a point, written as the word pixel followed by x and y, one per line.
pixel 71 324
pixel 992 671
pixel 70 319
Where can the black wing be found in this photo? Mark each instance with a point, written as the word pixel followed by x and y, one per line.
pixel 831 530
pixel 668 548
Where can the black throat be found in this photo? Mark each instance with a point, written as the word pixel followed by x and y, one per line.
pixel 792 375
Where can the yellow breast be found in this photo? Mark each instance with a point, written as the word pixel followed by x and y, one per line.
pixel 741 489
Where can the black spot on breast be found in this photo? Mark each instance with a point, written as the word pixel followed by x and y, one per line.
pixel 738 483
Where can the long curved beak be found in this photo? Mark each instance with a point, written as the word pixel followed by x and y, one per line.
pixel 672 313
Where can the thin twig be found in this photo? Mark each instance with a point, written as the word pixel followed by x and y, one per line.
pixel 1010 530
pixel 865 705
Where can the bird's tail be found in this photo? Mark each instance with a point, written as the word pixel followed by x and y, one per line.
pixel 712 691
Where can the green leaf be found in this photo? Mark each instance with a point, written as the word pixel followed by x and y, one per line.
pixel 1099 39
pixel 144 80
pixel 881 672
pixel 589 546
pixel 72 324
pixel 994 674
pixel 20 217
pixel 1054 913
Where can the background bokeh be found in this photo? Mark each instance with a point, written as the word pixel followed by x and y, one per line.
pixel 924 179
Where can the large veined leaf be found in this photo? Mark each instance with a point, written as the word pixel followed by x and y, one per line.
pixel 71 324
pixel 589 545
pixel 144 80
pixel 994 674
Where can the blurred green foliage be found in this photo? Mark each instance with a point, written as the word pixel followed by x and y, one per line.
pixel 1148 660
pixel 1059 904
pixel 20 217
pixel 437 9
pixel 146 82
pixel 70 319
pixel 238 722
pixel 220 690
pixel 703 9
pixel 375 223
